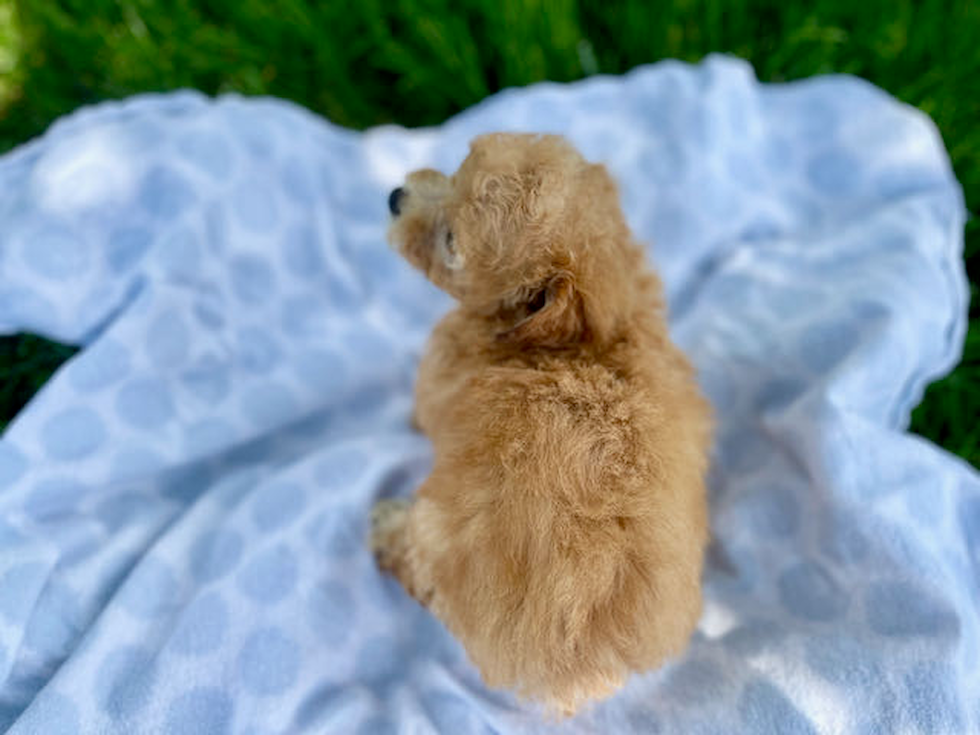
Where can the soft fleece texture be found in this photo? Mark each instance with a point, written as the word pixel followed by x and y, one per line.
pixel 184 507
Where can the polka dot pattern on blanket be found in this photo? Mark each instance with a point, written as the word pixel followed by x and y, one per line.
pixel 184 507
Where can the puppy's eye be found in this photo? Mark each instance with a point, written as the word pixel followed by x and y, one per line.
pixel 446 245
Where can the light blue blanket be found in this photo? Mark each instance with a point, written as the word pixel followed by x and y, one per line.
pixel 184 507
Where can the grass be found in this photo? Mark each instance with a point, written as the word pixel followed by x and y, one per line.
pixel 416 62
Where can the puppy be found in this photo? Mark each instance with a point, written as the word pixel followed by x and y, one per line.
pixel 561 534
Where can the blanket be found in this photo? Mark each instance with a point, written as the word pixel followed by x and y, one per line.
pixel 184 506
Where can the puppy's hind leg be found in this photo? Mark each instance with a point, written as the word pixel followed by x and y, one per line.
pixel 391 542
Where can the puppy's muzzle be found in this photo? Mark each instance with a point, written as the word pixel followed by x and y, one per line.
pixel 395 201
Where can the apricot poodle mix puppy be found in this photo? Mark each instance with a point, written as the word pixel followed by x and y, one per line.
pixel 561 534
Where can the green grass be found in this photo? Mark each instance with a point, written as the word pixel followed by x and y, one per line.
pixel 417 61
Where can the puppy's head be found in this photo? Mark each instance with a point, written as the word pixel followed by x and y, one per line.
pixel 526 232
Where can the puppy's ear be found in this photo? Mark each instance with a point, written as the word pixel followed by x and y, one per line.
pixel 551 316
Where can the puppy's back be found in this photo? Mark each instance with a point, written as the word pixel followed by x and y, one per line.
pixel 569 504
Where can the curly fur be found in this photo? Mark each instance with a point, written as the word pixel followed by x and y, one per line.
pixel 562 531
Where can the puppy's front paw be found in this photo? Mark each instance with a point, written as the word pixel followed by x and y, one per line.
pixel 415 420
pixel 387 531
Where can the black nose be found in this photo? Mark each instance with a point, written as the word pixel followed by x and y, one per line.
pixel 395 200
